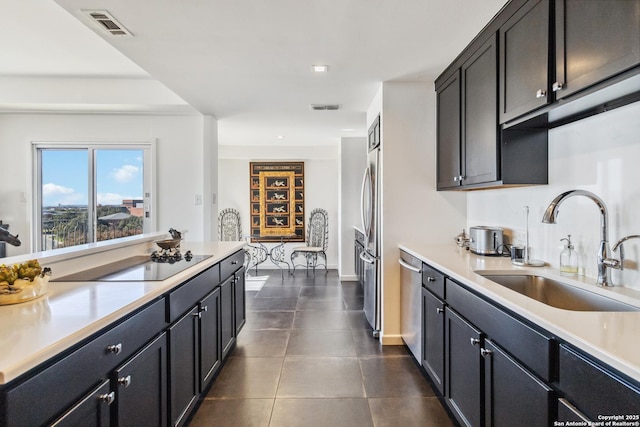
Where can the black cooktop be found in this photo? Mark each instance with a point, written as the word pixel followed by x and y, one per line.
pixel 135 269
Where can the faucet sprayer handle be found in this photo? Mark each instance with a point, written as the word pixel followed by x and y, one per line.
pixel 620 244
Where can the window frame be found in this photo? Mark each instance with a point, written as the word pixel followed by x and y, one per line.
pixel 149 181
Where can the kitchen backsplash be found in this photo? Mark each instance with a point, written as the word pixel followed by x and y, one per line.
pixel 599 154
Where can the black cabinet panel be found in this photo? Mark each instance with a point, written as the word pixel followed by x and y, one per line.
pixel 595 40
pixel 433 338
pixel 433 280
pixel 513 396
pixel 480 154
pixel 593 389
pixel 230 264
pixel 210 344
pixel 92 411
pixel 464 370
pixel 227 316
pixel 527 345
pixel 183 366
pixel 239 300
pixel 524 60
pixel 448 133
pixel 141 387
pixel 183 298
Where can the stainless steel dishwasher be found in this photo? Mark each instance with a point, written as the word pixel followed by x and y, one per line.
pixel 411 303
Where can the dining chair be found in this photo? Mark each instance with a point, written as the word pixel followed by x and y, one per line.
pixel 317 240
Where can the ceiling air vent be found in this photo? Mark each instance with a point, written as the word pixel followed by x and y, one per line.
pixel 107 22
pixel 325 107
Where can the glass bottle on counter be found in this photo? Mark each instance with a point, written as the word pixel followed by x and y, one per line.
pixel 568 259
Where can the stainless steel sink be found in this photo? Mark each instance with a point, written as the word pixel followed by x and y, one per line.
pixel 557 294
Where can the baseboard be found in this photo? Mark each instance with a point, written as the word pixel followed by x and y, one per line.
pixel 391 340
pixel 349 278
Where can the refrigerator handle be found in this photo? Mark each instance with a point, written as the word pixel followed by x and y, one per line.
pixel 364 217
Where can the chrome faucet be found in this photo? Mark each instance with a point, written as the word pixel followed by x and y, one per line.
pixel 605 262
pixel 619 243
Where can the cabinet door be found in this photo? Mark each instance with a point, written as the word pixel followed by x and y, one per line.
pixel 227 316
pixel 91 411
pixel 210 344
pixel 448 133
pixel 480 155
pixel 594 40
pixel 464 368
pixel 513 396
pixel 239 300
pixel 183 366
pixel 433 338
pixel 524 60
pixel 141 387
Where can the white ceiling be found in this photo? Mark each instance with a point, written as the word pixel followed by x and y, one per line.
pixel 246 62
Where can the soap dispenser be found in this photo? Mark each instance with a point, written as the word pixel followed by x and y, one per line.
pixel 568 259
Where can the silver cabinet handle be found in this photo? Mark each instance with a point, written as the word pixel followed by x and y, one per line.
pixel 485 353
pixel 234 262
pixel 114 348
pixel 197 314
pixel 107 398
pixel 541 93
pixel 475 341
pixel 125 381
pixel 556 86
pixel 455 179
pixel 205 308
pixel 431 279
pixel 439 310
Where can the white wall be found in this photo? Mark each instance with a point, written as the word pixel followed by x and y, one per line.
pixel 179 152
pixel 353 161
pixel 321 170
pixel 599 154
pixel 412 209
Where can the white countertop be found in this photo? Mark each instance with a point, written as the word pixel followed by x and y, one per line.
pixel 612 337
pixel 34 331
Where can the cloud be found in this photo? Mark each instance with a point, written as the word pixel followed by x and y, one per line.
pixel 110 199
pixel 54 194
pixel 126 173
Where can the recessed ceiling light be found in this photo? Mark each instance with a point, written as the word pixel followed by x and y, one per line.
pixel 347 130
pixel 320 68
pixel 280 137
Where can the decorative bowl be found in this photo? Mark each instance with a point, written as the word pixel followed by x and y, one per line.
pixel 23 290
pixel 169 243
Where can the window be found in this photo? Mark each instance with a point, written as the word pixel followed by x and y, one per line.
pixel 88 193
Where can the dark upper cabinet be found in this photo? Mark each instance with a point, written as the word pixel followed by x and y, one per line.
pixel 467 126
pixel 594 40
pixel 524 60
pixel 448 129
pixel 480 148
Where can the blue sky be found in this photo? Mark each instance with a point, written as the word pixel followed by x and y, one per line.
pixel 65 176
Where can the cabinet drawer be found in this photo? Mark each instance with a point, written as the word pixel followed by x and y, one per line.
pixel 184 297
pixel 229 265
pixel 524 343
pixel 74 375
pixel 594 389
pixel 433 280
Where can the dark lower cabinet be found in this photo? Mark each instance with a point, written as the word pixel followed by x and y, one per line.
pixel 513 396
pixel 91 411
pixel 183 366
pixel 210 348
pixel 433 338
pixel 239 301
pixel 227 316
pixel 140 387
pixel 464 370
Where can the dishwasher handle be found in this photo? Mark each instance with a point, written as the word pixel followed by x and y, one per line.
pixel 409 267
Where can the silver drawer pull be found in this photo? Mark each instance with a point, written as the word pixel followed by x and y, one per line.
pixel 541 93
pixel 431 279
pixel 475 341
pixel 485 353
pixel 234 262
pixel 114 348
pixel 107 398
pixel 205 308
pixel 125 381
pixel 439 310
pixel 557 86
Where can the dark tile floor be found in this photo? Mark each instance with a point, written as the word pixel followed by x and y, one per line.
pixel 306 357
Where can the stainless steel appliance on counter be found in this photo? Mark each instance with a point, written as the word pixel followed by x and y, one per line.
pixel 411 303
pixel 370 215
pixel 485 240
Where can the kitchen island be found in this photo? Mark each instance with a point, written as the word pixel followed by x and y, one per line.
pixel 81 334
pixel 499 353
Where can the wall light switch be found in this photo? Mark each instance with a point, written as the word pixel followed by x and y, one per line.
pixel 214 198
pixel 197 200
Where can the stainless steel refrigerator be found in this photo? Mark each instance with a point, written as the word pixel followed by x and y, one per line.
pixel 370 214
